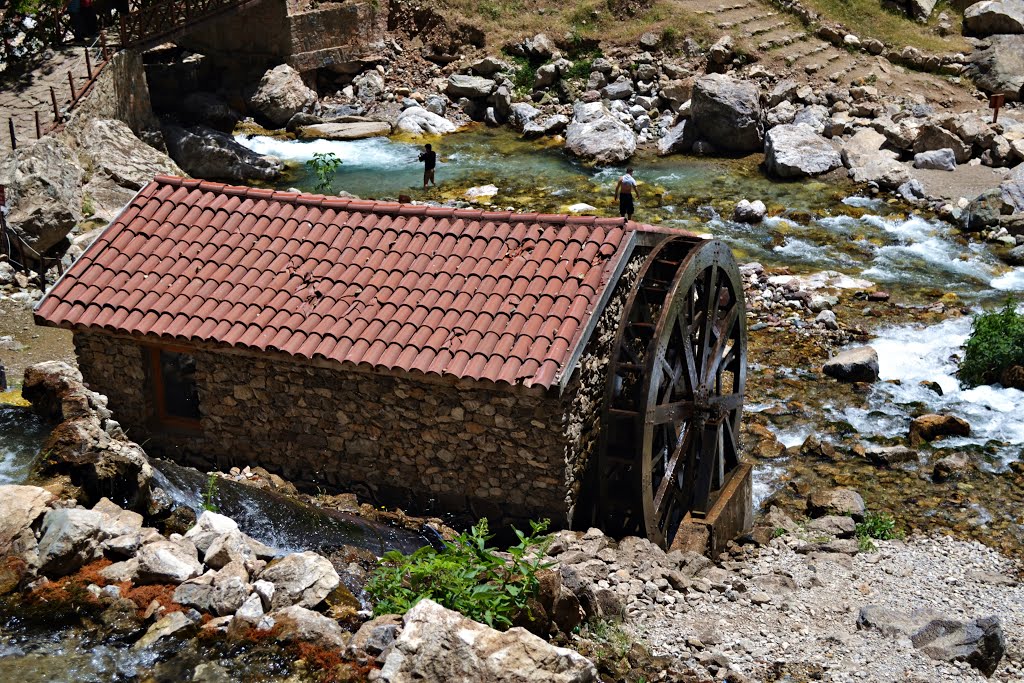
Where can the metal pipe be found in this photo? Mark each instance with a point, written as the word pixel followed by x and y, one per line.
pixel 103 44
pixel 88 63
pixel 53 100
pixel 14 139
pixel 71 83
pixel 39 128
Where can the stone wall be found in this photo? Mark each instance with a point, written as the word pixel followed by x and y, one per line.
pixel 306 35
pixel 121 93
pixel 492 450
pixel 585 398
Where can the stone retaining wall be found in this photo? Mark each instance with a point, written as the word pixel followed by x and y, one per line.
pixel 494 450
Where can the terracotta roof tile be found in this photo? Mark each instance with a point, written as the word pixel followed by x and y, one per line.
pixel 479 295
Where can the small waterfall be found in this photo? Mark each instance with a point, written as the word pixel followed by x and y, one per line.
pixel 281 522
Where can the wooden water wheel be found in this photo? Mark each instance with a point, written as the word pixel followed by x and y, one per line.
pixel 671 417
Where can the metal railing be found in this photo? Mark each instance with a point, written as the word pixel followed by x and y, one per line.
pixel 146 21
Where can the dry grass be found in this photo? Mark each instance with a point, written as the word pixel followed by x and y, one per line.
pixel 613 22
pixel 868 19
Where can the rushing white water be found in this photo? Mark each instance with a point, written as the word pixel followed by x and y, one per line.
pixel 913 354
pixel 379 154
pixel 22 434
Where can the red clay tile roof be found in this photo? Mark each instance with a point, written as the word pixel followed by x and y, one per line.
pixel 482 295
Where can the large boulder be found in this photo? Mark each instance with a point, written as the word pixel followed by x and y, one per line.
pixel 596 135
pixel 522 113
pixel 473 87
pixel 281 94
pixel 222 592
pixel 438 644
pixel 71 539
pixel 853 365
pixel 354 130
pixel 168 562
pixel 208 153
pixel 44 191
pixel 979 642
pixel 836 502
pixel 727 113
pixel 998 17
pixel 21 509
pixel 796 151
pixel 303 579
pixel 295 624
pixel 999 68
pixel 936 160
pixel 121 164
pixel 869 163
pixel 676 139
pixel 934 137
pixel 417 121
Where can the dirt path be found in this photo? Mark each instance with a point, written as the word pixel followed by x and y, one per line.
pixel 29 344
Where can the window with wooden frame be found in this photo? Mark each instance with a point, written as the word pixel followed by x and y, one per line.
pixel 175 392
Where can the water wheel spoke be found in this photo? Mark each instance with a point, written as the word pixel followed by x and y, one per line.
pixel 727 402
pixel 672 412
pixel 721 343
pixel 671 467
pixel 708 457
pixel 718 476
pixel 730 445
pixel 712 294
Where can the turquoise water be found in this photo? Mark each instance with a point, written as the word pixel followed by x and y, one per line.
pixel 815 224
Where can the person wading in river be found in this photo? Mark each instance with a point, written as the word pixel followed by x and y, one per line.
pixel 624 191
pixel 429 158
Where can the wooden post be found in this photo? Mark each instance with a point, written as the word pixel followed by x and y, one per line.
pixel 88 63
pixel 53 100
pixel 124 31
pixel 995 101
pixel 39 128
pixel 103 44
pixel 14 139
pixel 71 84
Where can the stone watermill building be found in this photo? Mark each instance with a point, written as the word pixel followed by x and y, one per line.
pixel 512 365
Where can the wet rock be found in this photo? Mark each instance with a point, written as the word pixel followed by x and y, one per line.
pixel 417 121
pixel 172 624
pixel 749 212
pixel 597 135
pixel 939 160
pixel 222 592
pixel 984 19
pixel 71 539
pixel 168 562
pixel 44 191
pixel 345 131
pixel 853 365
pixel 796 151
pixel 840 502
pixel 911 191
pixel 281 94
pixel 521 114
pixel 727 113
pixel 999 67
pixel 296 623
pixel 950 467
pixel 979 642
pixel 986 209
pixel 828 319
pixel 473 87
pixel 1013 376
pixel 304 578
pixel 207 153
pixel 890 456
pixel 441 645
pixel 208 528
pixel 930 427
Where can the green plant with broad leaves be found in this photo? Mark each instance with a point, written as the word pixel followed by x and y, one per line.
pixel 876 526
pixel 996 343
pixel 468 576
pixel 323 165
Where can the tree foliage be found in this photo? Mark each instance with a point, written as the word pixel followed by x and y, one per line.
pixel 996 343
pixel 323 165
pixel 468 576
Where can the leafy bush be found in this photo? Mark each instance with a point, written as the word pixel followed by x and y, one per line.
pixel 995 344
pixel 468 576
pixel 323 165
pixel 879 526
pixel 522 75
pixel 582 65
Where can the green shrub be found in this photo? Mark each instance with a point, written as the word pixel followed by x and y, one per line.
pixel 468 576
pixel 996 343
pixel 879 526
pixel 323 165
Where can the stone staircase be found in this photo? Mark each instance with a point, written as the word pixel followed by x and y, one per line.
pixel 783 44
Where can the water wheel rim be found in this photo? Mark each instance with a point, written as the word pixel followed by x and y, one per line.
pixel 708 420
